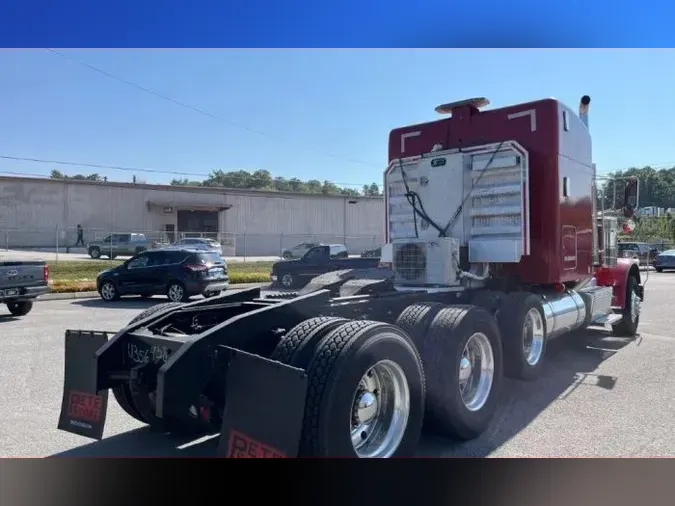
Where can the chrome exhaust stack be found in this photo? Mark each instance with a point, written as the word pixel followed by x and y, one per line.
pixel 583 109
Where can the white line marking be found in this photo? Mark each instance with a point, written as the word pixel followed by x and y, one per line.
pixel 408 136
pixel 532 113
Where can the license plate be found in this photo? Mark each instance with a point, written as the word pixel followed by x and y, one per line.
pixel 9 293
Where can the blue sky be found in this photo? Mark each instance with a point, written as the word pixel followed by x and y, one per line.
pixel 307 103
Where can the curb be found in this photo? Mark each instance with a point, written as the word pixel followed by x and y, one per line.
pixel 94 295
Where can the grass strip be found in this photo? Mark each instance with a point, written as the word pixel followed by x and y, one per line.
pixel 80 276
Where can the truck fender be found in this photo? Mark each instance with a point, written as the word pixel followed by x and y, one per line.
pixel 617 277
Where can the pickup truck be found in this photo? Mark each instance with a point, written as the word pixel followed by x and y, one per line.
pixel 21 283
pixel 318 260
pixel 120 245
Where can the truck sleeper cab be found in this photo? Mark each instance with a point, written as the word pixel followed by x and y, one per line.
pixel 482 272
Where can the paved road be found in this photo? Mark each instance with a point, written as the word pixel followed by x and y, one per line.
pixel 51 256
pixel 613 398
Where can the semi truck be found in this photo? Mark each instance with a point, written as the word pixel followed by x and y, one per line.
pixel 494 247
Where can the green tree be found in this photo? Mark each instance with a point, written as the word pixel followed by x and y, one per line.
pixel 263 180
pixel 56 174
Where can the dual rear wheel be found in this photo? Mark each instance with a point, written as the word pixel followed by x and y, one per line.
pixel 365 395
pixel 372 385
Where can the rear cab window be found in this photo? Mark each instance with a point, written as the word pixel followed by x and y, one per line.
pixel 175 257
pixel 206 259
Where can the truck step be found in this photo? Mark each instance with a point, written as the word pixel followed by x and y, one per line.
pixel 609 319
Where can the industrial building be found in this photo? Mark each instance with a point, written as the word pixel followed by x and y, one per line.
pixel 41 213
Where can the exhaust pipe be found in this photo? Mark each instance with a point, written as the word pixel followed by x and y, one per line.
pixel 583 109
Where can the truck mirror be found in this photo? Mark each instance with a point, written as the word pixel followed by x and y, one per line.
pixel 630 197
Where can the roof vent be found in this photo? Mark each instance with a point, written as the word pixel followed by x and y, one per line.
pixel 474 103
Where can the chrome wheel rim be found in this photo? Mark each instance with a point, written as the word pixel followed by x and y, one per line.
pixel 287 280
pixel 476 371
pixel 380 411
pixel 533 336
pixel 108 291
pixel 634 306
pixel 175 293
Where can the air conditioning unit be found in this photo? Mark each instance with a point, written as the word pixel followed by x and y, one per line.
pixel 421 262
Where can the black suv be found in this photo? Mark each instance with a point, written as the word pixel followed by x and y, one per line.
pixel 178 273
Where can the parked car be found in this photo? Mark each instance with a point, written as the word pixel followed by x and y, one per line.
pixel 120 245
pixel 665 260
pixel 178 273
pixel 21 282
pixel 199 243
pixel 641 251
pixel 299 250
pixel 317 261
pixel 372 253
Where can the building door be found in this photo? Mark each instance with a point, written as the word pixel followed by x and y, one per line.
pixel 170 230
pixel 197 223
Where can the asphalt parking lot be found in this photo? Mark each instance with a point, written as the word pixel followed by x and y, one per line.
pixel 81 255
pixel 613 397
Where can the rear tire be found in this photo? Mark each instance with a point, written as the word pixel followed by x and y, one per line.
pixel 108 291
pixel 20 308
pixel 208 295
pixel 415 319
pixel 122 393
pixel 659 269
pixel 95 253
pixel 154 309
pixel 524 335
pixel 287 281
pixel 176 292
pixel 630 320
pixel 378 365
pixel 297 346
pixel 458 336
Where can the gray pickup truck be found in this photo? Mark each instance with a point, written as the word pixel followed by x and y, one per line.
pixel 21 283
pixel 120 245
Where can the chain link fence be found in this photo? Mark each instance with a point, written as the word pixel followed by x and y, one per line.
pixel 245 245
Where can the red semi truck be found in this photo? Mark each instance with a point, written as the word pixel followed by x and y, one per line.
pixel 494 247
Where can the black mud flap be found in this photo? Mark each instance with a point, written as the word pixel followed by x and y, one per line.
pixel 83 409
pixel 264 408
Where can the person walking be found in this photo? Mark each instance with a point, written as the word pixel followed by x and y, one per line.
pixel 80 236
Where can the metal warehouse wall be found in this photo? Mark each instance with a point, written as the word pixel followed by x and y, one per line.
pixel 33 212
pixel 269 224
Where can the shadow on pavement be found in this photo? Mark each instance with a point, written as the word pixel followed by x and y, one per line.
pixel 123 303
pixel 570 365
pixel 145 443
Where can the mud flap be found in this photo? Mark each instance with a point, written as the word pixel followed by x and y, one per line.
pixel 83 409
pixel 264 409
